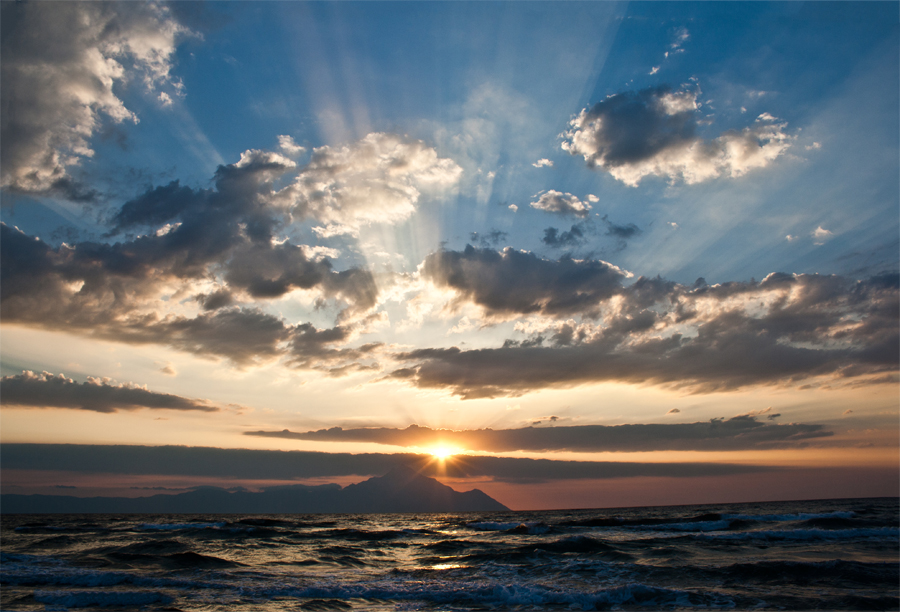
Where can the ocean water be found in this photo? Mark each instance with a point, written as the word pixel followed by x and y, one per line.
pixel 822 555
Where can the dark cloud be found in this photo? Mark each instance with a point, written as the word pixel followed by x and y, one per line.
pixel 286 465
pixel 561 240
pixel 313 348
pixel 738 433
pixel 621 231
pixel 517 282
pixel 216 299
pixel 493 238
pixel 781 330
pixel 48 391
pixel 654 132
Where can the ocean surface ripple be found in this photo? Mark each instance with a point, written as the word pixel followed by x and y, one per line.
pixel 821 555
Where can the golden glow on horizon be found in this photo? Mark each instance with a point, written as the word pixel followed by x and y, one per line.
pixel 442 453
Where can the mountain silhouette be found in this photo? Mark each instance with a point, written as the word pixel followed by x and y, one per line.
pixel 400 490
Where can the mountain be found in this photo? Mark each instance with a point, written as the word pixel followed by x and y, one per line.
pixel 400 490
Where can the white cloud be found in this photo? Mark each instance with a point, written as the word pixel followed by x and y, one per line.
pixel 561 203
pixel 814 146
pixel 790 238
pixel 375 180
pixel 543 163
pixel 513 207
pixel 287 144
pixel 61 62
pixel 654 70
pixel 821 235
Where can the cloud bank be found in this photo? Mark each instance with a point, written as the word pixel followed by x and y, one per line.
pixel 288 465
pixel 738 433
pixel 781 330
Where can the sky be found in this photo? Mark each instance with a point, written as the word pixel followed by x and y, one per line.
pixel 573 254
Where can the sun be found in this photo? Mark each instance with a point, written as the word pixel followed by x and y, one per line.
pixel 441 453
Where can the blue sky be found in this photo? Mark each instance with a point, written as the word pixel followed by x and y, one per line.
pixel 286 215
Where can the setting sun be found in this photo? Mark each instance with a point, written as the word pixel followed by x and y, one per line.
pixel 443 452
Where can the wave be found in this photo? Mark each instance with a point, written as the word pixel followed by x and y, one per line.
pixel 531 528
pixel 178 526
pixel 806 534
pixel 86 599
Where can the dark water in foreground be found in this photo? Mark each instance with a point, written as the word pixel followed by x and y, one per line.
pixel 824 555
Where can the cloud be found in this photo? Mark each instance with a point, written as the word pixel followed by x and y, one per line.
pixel 289 465
pixel 492 239
pixel 517 282
pixel 621 231
pixel 738 433
pixel 561 204
pixel 543 163
pixel 573 237
pixel 652 132
pixel 513 207
pixel 287 144
pixel 673 411
pixel 100 395
pixel 61 66
pixel 821 235
pixel 378 179
pixel 778 331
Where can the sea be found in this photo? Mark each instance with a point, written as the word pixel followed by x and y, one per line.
pixel 809 555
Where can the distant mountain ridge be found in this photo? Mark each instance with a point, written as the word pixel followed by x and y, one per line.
pixel 400 490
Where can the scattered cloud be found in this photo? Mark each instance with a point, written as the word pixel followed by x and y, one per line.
pixel 821 235
pixel 62 67
pixel 561 204
pixel 44 390
pixel 652 132
pixel 543 163
pixel 493 238
pixel 673 411
pixel 575 236
pixel 513 207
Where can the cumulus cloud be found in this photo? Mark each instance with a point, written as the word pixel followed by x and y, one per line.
pixel 375 180
pixel 61 64
pixel 738 433
pixel 45 390
pixel 517 282
pixel 561 204
pixel 781 330
pixel 287 465
pixel 287 144
pixel 543 163
pixel 652 132
pixel 175 238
